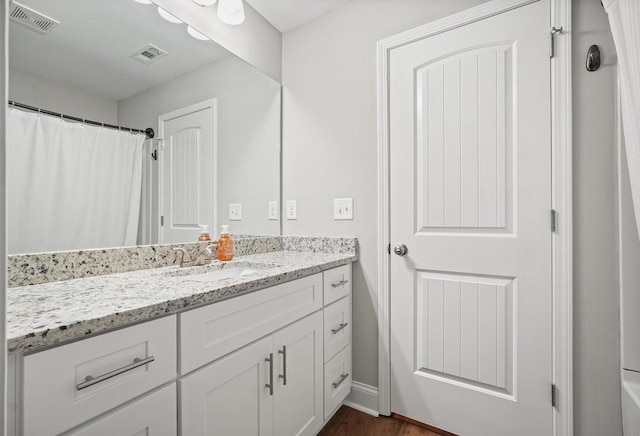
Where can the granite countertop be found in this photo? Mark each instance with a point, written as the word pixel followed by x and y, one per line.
pixel 46 314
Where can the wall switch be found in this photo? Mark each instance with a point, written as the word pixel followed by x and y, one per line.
pixel 343 209
pixel 235 212
pixel 292 210
pixel 273 210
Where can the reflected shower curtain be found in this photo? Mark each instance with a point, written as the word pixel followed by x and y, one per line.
pixel 71 186
pixel 624 18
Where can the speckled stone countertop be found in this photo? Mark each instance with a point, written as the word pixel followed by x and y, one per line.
pixel 51 313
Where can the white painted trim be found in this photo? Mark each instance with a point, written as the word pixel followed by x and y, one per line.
pixel 213 104
pixel 363 398
pixel 562 202
pixel 3 215
pixel 561 197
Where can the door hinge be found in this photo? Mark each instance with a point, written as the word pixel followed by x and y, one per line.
pixel 161 220
pixel 552 40
pixel 389 248
pixel 554 395
pixel 554 221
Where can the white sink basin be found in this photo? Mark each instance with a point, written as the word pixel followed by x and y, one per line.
pixel 221 271
pixel 223 274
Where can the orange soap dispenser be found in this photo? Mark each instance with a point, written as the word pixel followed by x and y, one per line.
pixel 225 245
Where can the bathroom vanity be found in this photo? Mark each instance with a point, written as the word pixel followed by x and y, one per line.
pixel 260 345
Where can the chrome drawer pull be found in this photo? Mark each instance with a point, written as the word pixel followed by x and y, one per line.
pixel 90 381
pixel 270 384
pixel 339 329
pixel 340 283
pixel 343 377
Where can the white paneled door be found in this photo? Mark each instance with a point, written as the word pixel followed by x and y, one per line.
pixel 470 197
pixel 187 172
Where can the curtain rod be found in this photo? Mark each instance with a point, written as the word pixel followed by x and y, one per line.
pixel 148 131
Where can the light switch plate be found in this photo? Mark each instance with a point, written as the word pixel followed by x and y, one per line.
pixel 292 210
pixel 343 209
pixel 273 210
pixel 235 212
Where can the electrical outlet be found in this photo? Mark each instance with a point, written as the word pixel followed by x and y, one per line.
pixel 235 212
pixel 273 210
pixel 343 209
pixel 292 210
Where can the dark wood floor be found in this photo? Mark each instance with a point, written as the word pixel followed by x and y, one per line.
pixel 351 422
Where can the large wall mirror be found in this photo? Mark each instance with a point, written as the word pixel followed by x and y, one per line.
pixel 215 157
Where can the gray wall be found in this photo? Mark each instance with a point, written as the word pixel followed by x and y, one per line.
pixel 47 94
pixel 330 136
pixel 630 273
pixel 248 136
pixel 597 409
pixel 330 151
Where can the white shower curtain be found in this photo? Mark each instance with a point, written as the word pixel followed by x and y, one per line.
pixel 624 18
pixel 71 186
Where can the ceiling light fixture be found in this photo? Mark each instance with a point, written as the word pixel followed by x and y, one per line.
pixel 205 2
pixel 143 2
pixel 231 12
pixel 167 16
pixel 197 35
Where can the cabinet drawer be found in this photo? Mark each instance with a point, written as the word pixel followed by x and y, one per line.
pixel 153 415
pixel 337 283
pixel 56 395
pixel 337 327
pixel 212 331
pixel 337 381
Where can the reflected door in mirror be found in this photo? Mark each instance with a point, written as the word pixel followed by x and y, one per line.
pixel 187 172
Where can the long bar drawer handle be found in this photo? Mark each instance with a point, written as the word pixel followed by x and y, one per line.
pixel 340 283
pixel 339 329
pixel 343 377
pixel 270 384
pixel 283 376
pixel 90 380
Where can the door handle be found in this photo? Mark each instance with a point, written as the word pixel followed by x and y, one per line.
pixel 283 376
pixel 400 249
pixel 270 384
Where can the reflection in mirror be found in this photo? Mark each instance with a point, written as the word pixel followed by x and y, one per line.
pixel 215 157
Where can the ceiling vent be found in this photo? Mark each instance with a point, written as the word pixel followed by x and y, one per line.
pixel 149 54
pixel 34 20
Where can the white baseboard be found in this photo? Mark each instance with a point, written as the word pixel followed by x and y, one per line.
pixel 363 398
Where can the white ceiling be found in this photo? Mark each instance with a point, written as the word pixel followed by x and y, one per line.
pixel 90 48
pixel 286 15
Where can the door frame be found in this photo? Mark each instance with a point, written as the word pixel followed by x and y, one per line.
pixel 561 198
pixel 211 103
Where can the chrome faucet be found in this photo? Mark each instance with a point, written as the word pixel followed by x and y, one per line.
pixel 185 259
pixel 202 259
pixel 206 258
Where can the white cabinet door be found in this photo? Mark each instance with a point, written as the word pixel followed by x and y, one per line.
pixel 153 415
pixel 298 394
pixel 230 396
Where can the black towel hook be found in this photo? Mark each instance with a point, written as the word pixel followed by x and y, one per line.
pixel 593 58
